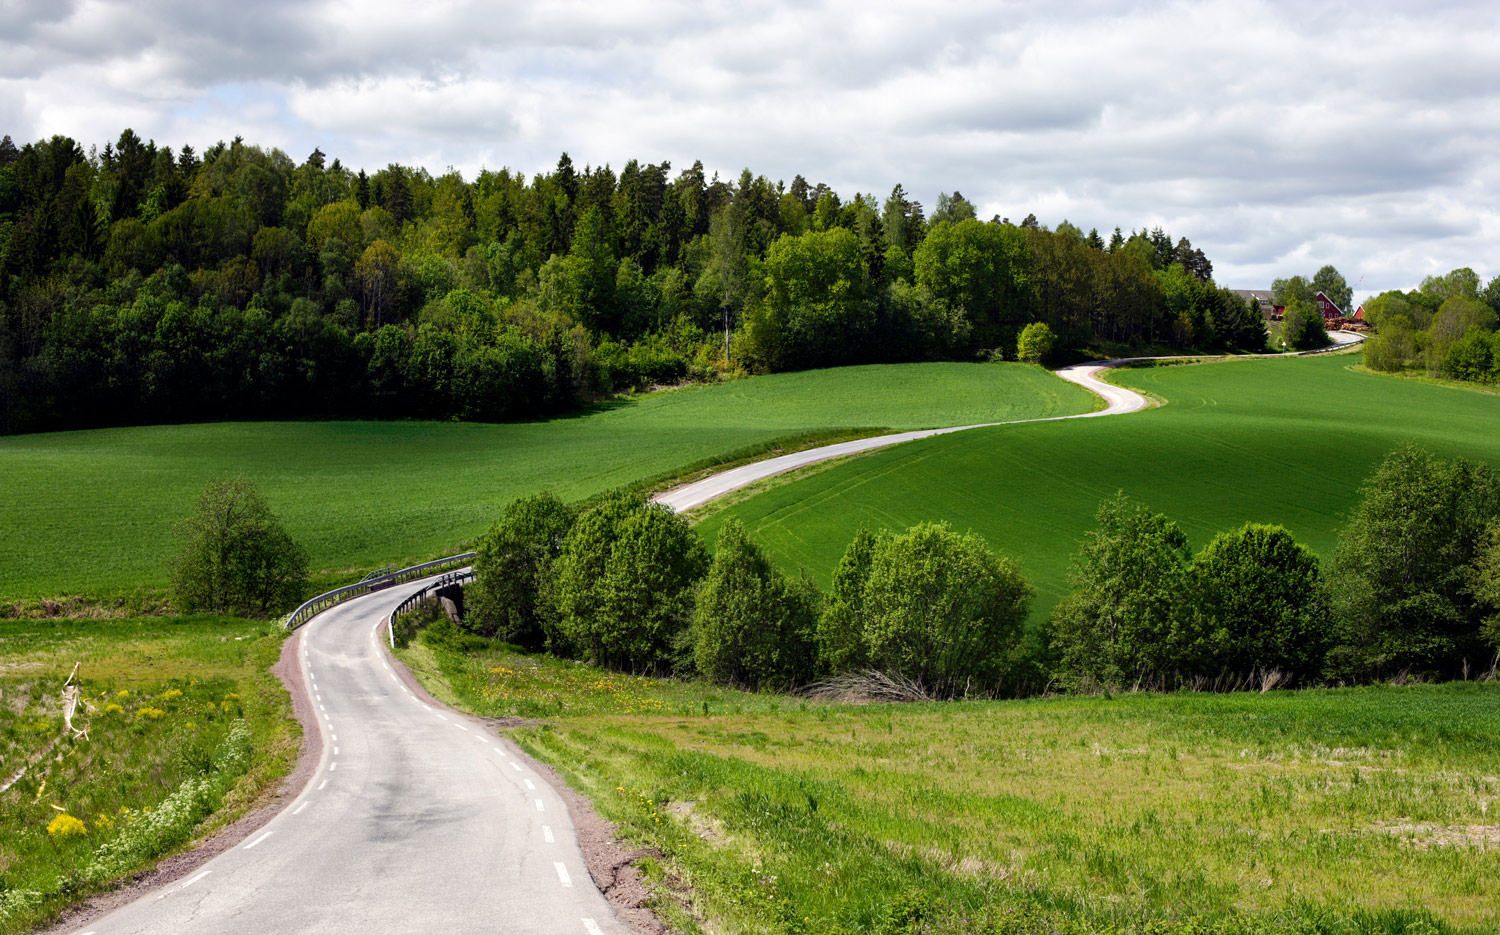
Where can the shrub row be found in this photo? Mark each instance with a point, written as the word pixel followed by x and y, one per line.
pixel 630 586
pixel 1414 586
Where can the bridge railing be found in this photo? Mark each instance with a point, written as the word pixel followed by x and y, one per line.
pixel 371 584
pixel 407 606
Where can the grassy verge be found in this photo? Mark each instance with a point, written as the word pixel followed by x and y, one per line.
pixel 1348 811
pixel 186 725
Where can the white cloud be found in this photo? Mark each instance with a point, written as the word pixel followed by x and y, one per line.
pixel 1277 135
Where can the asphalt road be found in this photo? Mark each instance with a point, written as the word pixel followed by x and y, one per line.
pixel 418 819
pixel 1118 400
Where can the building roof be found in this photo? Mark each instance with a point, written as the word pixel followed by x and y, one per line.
pixel 1263 296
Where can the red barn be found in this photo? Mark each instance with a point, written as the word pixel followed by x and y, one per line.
pixel 1330 311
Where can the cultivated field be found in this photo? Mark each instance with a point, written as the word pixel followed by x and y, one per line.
pixel 1349 811
pixel 183 720
pixel 92 512
pixel 1280 440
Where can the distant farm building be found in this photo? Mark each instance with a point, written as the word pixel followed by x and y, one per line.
pixel 1334 318
pixel 1269 310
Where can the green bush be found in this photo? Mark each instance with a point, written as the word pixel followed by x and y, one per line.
pixel 1035 343
pixel 1121 622
pixel 841 627
pixel 512 568
pixel 752 626
pixel 1259 600
pixel 1391 348
pixel 1484 580
pixel 623 584
pixel 638 366
pixel 1401 576
pixel 1471 357
pixel 238 558
pixel 1302 327
pixel 936 606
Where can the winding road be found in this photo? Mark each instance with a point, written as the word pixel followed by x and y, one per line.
pixel 418 819
pixel 1119 400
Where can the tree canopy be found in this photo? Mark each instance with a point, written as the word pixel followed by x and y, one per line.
pixel 140 284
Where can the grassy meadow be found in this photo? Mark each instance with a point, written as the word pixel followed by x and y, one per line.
pixel 186 727
pixel 92 512
pixel 1284 440
pixel 1350 811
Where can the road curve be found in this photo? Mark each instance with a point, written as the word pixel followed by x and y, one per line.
pixel 1118 400
pixel 417 819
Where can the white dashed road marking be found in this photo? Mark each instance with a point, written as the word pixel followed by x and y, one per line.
pixel 592 927
pixel 298 809
pixel 539 805
pixel 257 840
pixel 547 834
pixel 185 885
pixel 562 873
pixel 529 785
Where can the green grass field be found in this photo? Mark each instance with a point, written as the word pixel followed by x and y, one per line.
pixel 1280 440
pixel 92 512
pixel 1339 811
pixel 186 727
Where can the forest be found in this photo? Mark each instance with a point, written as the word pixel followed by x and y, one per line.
pixel 139 285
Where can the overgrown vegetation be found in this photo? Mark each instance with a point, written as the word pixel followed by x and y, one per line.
pixel 178 728
pixel 1326 811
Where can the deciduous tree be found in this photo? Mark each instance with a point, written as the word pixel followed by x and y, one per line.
pixel 237 558
pixel 752 626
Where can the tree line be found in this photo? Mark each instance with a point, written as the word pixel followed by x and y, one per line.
pixel 1413 589
pixel 1446 327
pixel 141 285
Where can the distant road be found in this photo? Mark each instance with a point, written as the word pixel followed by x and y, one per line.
pixel 1118 399
pixel 418 819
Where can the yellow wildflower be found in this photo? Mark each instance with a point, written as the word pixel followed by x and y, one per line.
pixel 152 713
pixel 64 826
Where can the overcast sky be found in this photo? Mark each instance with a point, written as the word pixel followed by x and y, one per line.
pixel 1276 136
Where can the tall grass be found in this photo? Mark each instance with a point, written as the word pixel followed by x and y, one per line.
pixel 185 728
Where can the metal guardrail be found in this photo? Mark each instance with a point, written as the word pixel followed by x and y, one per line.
pixel 410 604
pixel 457 577
pixel 338 595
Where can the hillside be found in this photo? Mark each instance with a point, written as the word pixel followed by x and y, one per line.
pixel 1283 440
pixel 92 511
